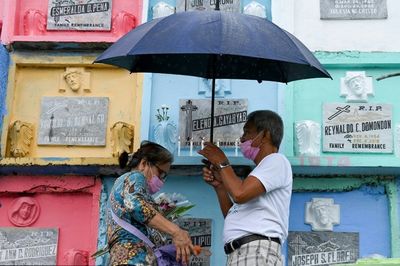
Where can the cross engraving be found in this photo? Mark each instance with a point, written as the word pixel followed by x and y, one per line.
pixel 189 108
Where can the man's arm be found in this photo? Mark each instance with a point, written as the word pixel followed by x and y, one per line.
pixel 239 190
pixel 213 178
pixel 225 202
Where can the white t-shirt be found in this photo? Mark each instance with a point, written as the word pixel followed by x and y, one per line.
pixel 267 214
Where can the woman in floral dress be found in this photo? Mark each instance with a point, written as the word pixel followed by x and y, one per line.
pixel 131 201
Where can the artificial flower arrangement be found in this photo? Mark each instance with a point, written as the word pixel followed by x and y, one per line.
pixel 173 205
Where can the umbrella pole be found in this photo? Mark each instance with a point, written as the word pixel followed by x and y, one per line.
pixel 212 110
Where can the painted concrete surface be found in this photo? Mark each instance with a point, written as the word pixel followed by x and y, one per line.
pixel 161 89
pixel 302 18
pixel 356 215
pixel 364 204
pixel 26 92
pixel 58 199
pixel 306 98
pixel 16 28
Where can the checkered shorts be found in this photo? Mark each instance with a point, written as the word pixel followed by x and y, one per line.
pixel 256 253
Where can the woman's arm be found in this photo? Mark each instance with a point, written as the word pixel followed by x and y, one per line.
pixel 180 237
pixel 143 212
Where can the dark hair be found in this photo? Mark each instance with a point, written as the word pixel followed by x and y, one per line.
pixel 152 152
pixel 269 121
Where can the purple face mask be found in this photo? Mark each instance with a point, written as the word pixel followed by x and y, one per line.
pixel 155 184
pixel 248 151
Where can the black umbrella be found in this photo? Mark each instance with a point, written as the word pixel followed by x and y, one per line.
pixel 214 45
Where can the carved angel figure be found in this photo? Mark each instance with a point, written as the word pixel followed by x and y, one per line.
pixel 162 9
pixel 165 132
pixel 122 23
pixel 20 135
pixel 122 135
pixel 308 137
pixel 34 22
pixel 256 9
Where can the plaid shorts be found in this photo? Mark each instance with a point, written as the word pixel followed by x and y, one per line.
pixel 256 253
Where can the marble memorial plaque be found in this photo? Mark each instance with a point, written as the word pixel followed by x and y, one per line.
pixel 322 248
pixel 28 246
pixel 73 121
pixel 361 128
pixel 353 9
pixel 195 120
pixel 224 5
pixel 200 233
pixel 79 15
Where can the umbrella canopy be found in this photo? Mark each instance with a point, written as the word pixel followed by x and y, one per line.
pixel 214 45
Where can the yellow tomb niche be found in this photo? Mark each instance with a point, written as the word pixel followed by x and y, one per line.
pixel 64 109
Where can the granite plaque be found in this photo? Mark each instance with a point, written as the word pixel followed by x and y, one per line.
pixel 353 9
pixel 361 128
pixel 200 232
pixel 79 15
pixel 322 248
pixel 73 121
pixel 224 5
pixel 28 246
pixel 195 121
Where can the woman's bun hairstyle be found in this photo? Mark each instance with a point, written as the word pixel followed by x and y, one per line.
pixel 150 151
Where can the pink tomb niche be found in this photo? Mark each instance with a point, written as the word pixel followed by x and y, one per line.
pixel 26 21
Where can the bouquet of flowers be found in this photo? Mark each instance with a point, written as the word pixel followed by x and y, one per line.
pixel 173 205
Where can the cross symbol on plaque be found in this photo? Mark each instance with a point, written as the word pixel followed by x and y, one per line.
pixel 189 108
pixel 298 244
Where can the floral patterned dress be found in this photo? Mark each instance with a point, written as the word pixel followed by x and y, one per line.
pixel 131 201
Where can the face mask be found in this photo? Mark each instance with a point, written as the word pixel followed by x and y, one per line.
pixel 248 151
pixel 155 184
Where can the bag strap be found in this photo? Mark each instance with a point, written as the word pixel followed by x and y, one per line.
pixel 131 229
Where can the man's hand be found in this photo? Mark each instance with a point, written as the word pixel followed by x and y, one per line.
pixel 213 154
pixel 212 177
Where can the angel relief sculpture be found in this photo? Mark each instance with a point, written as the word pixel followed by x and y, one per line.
pixel 34 22
pixel 122 23
pixel 165 132
pixel 256 9
pixel 122 138
pixel 162 9
pixel 20 138
pixel 308 137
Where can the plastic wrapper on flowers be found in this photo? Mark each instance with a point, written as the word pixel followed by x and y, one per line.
pixel 173 206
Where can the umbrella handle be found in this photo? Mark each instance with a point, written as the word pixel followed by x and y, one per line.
pixel 212 109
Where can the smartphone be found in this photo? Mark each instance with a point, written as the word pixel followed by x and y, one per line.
pixel 207 163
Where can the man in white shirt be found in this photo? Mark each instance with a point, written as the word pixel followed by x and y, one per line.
pixel 256 209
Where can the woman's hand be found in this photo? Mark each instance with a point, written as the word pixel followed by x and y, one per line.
pixel 183 244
